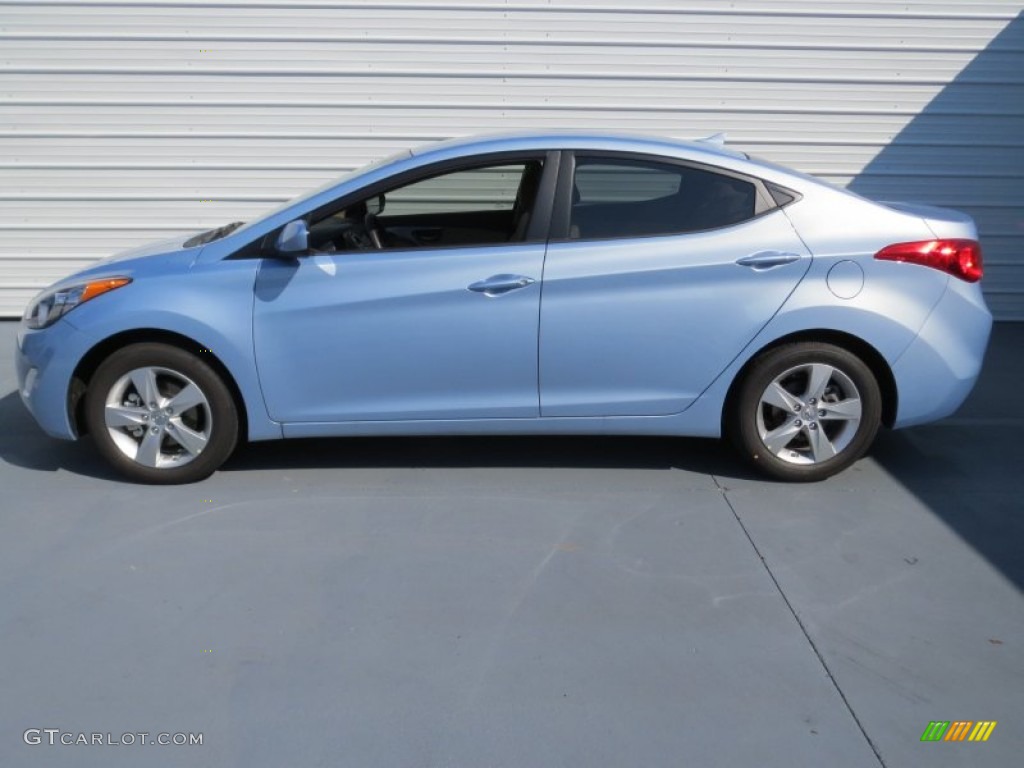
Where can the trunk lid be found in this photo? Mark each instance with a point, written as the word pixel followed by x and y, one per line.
pixel 943 222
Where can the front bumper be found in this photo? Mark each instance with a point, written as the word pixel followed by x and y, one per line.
pixel 938 370
pixel 45 361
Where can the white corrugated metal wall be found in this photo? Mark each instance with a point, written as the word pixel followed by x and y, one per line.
pixel 123 121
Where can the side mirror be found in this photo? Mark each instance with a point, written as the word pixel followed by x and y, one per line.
pixel 294 239
pixel 375 205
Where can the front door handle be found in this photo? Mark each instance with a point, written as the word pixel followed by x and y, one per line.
pixel 495 285
pixel 768 259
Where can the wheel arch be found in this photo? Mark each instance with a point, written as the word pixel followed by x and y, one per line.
pixel 874 359
pixel 99 352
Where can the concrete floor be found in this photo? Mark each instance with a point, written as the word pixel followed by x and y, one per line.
pixel 520 602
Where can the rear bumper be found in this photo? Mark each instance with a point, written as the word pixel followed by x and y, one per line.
pixel 938 370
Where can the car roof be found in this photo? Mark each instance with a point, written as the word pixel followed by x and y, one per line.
pixel 622 142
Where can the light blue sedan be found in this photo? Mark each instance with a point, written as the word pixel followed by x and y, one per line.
pixel 541 284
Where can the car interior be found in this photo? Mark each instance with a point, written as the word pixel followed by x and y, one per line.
pixel 479 206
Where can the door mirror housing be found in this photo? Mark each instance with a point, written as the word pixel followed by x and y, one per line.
pixel 375 205
pixel 294 239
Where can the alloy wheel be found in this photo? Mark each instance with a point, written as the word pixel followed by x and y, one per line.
pixel 158 417
pixel 809 414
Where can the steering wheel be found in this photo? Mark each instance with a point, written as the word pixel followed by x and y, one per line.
pixel 373 231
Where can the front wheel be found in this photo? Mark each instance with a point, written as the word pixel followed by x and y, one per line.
pixel 806 411
pixel 161 415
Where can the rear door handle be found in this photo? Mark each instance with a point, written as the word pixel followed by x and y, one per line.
pixel 768 259
pixel 495 285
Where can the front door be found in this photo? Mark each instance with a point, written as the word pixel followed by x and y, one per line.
pixel 420 303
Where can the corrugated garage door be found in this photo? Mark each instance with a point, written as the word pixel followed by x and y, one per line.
pixel 128 121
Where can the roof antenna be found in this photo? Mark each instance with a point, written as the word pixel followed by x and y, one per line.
pixel 718 139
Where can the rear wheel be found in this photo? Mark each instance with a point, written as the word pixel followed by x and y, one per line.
pixel 806 411
pixel 159 414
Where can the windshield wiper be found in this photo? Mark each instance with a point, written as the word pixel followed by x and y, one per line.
pixel 214 234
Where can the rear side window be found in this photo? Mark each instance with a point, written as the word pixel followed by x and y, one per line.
pixel 635 198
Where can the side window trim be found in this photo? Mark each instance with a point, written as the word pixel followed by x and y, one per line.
pixel 539 230
pixel 562 215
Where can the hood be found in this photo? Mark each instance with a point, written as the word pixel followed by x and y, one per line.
pixel 154 258
pixel 160 248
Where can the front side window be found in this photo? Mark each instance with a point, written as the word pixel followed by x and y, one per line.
pixel 483 205
pixel 636 198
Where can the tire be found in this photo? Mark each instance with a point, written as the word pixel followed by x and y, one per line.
pixel 160 415
pixel 805 411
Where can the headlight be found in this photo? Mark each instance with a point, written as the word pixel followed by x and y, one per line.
pixel 47 308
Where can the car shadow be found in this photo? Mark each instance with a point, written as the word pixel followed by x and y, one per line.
pixel 967 469
pixel 701 456
pixel 963 476
pixel 23 444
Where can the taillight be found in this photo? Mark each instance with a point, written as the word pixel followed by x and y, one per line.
pixel 960 258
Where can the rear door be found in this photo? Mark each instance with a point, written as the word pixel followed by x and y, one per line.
pixel 663 273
